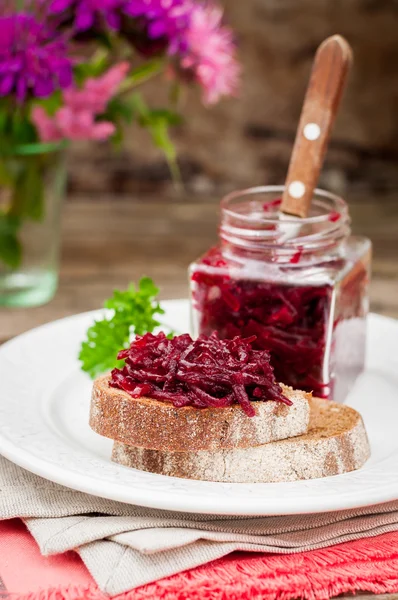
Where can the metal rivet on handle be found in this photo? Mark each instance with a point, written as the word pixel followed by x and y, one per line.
pixel 296 189
pixel 312 131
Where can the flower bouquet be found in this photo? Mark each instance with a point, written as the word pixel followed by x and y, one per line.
pixel 71 70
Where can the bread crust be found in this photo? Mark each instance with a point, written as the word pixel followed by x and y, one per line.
pixel 335 443
pixel 156 425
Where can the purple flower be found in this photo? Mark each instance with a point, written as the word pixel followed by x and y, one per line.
pixel 167 19
pixel 193 33
pixel 87 12
pixel 32 58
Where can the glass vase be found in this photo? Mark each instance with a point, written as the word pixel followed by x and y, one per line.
pixel 32 188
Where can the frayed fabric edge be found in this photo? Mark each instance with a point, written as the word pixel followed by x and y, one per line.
pixel 363 565
pixel 209 591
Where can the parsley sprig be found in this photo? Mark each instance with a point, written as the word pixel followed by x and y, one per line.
pixel 133 312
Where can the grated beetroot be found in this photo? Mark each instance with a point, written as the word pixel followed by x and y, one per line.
pixel 207 372
pixel 290 322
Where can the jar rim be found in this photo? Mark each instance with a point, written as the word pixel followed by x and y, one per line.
pixel 340 206
pixel 255 226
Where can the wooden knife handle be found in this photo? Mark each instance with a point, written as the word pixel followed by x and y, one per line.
pixel 328 76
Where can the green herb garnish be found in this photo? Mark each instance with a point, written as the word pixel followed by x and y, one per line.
pixel 133 313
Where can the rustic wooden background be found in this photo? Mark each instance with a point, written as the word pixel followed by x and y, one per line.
pixel 248 141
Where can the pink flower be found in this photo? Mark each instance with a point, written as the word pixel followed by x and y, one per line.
pixel 70 125
pixel 47 126
pixel 76 120
pixel 211 53
pixel 97 92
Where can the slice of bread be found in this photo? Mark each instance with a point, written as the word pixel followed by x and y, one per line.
pixel 157 425
pixel 335 443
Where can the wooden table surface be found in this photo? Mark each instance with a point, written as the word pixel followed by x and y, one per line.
pixel 108 242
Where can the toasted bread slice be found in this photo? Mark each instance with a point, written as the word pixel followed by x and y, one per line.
pixel 157 425
pixel 335 443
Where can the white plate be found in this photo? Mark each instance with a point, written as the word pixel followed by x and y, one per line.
pixel 44 405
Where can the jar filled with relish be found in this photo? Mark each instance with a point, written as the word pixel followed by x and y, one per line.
pixel 299 285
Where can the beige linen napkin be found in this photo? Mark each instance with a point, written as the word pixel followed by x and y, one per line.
pixel 126 546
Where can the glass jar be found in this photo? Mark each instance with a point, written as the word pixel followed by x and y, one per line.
pixel 299 285
pixel 32 188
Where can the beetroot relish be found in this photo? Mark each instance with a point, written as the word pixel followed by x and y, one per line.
pixel 301 287
pixel 207 372
pixel 290 322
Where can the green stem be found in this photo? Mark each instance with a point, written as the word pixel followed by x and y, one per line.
pixel 27 201
pixel 175 174
pixel 175 95
pixel 141 79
